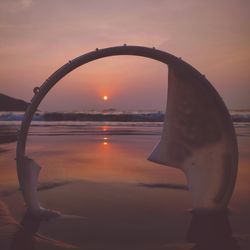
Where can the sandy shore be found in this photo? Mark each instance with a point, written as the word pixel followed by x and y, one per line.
pixel 119 216
pixel 129 203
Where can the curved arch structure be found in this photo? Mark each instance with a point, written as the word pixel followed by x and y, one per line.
pixel 198 135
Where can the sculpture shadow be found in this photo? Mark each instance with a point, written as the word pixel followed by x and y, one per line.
pixel 211 231
pixel 24 237
pixel 27 236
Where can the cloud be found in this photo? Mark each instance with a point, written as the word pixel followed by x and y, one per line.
pixel 14 5
pixel 26 3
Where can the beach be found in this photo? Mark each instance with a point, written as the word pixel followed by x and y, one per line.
pixel 98 172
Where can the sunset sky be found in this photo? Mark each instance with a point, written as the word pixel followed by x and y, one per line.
pixel 37 37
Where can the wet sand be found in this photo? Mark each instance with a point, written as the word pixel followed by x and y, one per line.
pixel 129 202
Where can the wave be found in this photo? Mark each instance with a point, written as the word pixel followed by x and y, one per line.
pixel 137 116
pixel 88 116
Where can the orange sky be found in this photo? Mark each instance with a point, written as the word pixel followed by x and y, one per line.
pixel 37 37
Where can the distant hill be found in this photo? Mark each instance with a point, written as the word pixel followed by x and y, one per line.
pixel 8 103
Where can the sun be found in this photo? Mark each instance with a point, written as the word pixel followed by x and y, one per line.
pixel 105 98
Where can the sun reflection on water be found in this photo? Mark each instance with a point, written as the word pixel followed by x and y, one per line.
pixel 105 141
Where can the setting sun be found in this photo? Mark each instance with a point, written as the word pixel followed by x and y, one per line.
pixel 105 98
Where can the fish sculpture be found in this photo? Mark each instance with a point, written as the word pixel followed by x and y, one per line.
pixel 198 136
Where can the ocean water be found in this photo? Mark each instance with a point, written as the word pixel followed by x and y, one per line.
pixel 108 115
pixel 100 169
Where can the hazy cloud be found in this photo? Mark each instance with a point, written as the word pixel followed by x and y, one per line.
pixel 213 36
pixel 14 5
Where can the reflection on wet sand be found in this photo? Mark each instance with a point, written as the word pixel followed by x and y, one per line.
pixel 211 231
pixel 206 232
pixel 24 236
pixel 105 141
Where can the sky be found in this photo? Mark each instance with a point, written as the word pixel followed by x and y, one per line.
pixel 39 36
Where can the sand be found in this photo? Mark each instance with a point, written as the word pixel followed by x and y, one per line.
pixel 129 203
